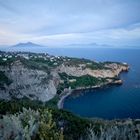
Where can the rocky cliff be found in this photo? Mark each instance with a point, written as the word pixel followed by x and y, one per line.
pixel 30 83
pixel 114 69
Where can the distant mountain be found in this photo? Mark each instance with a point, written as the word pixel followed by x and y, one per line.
pixel 28 44
pixel 90 45
pixel 108 46
pixel 3 46
pixel 26 47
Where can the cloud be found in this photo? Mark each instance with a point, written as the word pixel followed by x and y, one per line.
pixel 67 22
pixel 117 36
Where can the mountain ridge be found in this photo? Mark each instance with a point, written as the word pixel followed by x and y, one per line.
pixel 27 44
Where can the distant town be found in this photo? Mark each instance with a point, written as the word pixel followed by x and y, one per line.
pixel 6 56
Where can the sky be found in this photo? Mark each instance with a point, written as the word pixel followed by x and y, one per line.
pixel 63 22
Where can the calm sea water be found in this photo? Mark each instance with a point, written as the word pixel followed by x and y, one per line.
pixel 110 102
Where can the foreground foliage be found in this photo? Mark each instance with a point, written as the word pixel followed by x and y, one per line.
pixel 29 124
pixel 32 120
pixel 50 123
pixel 79 82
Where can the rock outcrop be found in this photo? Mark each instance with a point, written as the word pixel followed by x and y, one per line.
pixel 113 71
pixel 33 84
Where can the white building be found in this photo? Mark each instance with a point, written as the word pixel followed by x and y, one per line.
pixel 10 56
pixel 4 59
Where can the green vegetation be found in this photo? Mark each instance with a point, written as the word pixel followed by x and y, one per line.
pixel 53 102
pixel 83 81
pixel 48 121
pixel 42 61
pixel 48 127
pixel 88 63
pixel 76 61
pixel 8 61
pixel 86 81
pixel 109 62
pixel 41 64
pixel 61 87
pixel 64 76
pixel 4 80
pixel 16 105
pixel 35 65
pixel 30 124
pixel 119 63
pixel 95 66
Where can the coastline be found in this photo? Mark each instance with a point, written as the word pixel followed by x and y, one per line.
pixel 63 97
pixel 69 91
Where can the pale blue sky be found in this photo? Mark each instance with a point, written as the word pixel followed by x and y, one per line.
pixel 60 22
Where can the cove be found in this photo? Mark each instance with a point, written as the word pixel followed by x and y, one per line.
pixel 111 102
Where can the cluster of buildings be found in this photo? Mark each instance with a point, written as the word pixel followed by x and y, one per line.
pixel 5 56
pixel 54 59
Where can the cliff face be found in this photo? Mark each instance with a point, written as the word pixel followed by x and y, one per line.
pixel 34 84
pixel 113 70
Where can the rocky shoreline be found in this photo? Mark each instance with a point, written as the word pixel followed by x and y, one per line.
pixel 62 99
